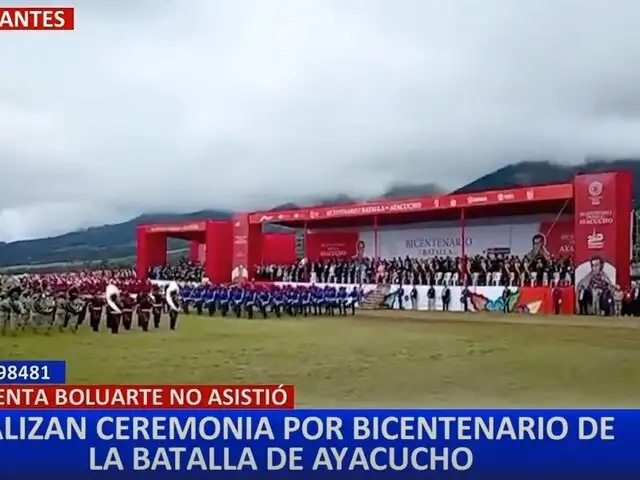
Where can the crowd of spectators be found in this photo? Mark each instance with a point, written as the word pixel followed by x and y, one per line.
pixel 105 274
pixel 181 271
pixel 498 270
pixel 88 282
pixel 125 273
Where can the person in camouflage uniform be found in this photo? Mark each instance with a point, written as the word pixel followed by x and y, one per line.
pixel 67 306
pixel 11 308
pixel 24 319
pixel 42 309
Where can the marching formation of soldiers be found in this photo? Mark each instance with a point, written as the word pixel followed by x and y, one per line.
pixel 39 309
pixel 248 299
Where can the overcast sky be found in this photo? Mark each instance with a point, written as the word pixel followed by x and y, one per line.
pixel 159 105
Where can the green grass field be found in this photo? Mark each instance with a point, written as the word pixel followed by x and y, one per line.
pixel 373 359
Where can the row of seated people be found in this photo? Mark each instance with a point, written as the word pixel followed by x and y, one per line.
pixel 478 270
pixel 181 271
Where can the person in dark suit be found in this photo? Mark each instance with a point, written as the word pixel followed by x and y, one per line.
pixel 431 298
pixel 505 299
pixel 446 298
pixel 414 297
pixel 464 298
pixel 606 302
pixel 556 296
pixel 585 300
pixel 400 297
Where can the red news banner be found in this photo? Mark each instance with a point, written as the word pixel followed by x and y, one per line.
pixel 147 396
pixel 36 18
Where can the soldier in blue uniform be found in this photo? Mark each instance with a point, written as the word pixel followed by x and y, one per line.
pixel 317 299
pixel 198 297
pixel 297 301
pixel 278 301
pixel 186 292
pixel 237 300
pixel 286 299
pixel 341 300
pixel 249 300
pixel 290 300
pixel 264 302
pixel 223 300
pixel 305 301
pixel 354 298
pixel 330 300
pixel 210 299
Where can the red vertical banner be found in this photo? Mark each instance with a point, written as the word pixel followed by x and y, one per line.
pixel 602 229
pixel 256 247
pixel 217 251
pixel 240 264
pixel 142 252
pixel 156 248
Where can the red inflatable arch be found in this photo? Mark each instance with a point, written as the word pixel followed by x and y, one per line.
pixel 211 241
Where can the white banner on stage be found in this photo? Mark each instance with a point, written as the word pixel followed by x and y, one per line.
pixel 485 299
pixel 491 294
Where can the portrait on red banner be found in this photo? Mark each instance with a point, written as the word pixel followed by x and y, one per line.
pixel 600 275
pixel 558 234
pixel 539 247
pixel 598 232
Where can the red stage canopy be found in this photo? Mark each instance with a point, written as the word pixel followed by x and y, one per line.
pixel 432 207
pixel 600 204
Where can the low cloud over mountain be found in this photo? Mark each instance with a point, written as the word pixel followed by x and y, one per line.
pixel 178 106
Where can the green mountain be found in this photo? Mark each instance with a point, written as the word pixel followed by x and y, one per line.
pixel 94 244
pixel 109 242
pixel 537 173
pixel 396 191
